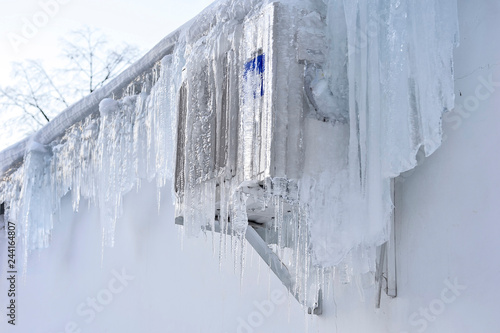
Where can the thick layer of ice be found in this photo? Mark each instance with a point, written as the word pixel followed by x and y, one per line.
pixel 390 64
pixel 309 107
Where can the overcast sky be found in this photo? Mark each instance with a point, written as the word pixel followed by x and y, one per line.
pixel 33 28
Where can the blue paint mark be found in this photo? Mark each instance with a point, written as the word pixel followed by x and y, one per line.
pixel 256 66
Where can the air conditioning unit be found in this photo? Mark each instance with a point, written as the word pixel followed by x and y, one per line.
pixel 247 114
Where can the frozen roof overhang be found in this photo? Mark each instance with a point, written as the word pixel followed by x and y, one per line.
pixel 89 104
pixel 388 75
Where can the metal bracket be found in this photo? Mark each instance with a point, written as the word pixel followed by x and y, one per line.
pixel 270 258
pixel 386 263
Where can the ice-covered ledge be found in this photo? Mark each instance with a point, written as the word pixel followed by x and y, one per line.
pixel 89 104
pixel 293 114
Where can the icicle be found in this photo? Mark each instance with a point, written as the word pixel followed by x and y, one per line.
pixel 35 219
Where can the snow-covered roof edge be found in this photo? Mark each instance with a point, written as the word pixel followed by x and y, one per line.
pixel 90 103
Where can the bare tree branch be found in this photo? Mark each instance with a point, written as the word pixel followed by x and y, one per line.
pixel 89 61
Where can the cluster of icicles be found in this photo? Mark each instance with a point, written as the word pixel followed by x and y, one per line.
pixel 99 158
pixel 106 155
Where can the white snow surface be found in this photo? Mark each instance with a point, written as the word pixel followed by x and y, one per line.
pixel 380 75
